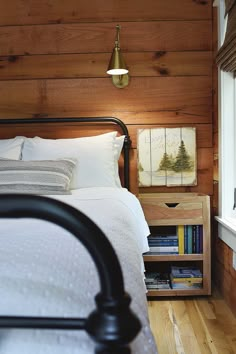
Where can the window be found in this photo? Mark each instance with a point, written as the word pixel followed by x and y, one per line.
pixel 227 145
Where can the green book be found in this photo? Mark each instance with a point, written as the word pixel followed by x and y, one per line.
pixel 190 238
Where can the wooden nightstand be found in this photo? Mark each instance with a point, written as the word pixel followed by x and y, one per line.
pixel 173 209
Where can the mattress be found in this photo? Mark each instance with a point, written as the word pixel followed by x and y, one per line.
pixel 45 271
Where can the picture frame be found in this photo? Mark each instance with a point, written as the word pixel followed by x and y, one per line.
pixel 167 157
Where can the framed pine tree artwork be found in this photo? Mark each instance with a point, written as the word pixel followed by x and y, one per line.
pixel 167 157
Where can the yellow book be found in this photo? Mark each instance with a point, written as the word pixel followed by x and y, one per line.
pixel 181 238
pixel 186 280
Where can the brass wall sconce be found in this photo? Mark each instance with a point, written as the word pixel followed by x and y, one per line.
pixel 117 67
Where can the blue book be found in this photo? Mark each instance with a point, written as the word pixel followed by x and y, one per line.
pixel 198 238
pixel 163 242
pixel 185 272
pixel 185 239
pixel 201 239
pixel 194 235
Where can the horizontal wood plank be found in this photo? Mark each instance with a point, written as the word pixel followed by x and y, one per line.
pixel 142 95
pixel 99 37
pixel 16 12
pixel 137 117
pixel 95 64
pixel 73 130
pixel 83 97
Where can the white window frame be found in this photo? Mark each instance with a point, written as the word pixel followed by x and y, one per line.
pixel 227 144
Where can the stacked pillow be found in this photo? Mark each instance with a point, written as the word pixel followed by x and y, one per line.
pixel 97 157
pixel 36 177
pixel 11 148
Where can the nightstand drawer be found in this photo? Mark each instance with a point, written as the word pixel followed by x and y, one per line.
pixel 159 209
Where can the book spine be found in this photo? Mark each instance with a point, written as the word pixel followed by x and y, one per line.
pixel 163 243
pixel 185 239
pixel 194 238
pixel 182 280
pixel 168 237
pixel 164 249
pixel 190 239
pixel 181 238
pixel 201 239
pixel 198 238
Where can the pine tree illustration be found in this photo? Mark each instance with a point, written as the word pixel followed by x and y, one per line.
pixel 165 163
pixel 183 160
pixel 140 167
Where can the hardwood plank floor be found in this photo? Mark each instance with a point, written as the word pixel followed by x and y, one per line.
pixel 197 325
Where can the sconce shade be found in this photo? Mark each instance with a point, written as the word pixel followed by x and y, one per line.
pixel 117 67
pixel 117 64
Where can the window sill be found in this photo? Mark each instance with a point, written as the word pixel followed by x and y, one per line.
pixel 227 231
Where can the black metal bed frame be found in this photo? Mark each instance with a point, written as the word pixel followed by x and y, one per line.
pixel 112 324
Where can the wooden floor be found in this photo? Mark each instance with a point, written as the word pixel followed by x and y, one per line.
pixel 193 325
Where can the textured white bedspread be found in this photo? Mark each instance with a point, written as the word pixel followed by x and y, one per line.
pixel 45 271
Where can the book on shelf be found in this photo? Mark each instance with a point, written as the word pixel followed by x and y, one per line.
pixel 201 239
pixel 197 280
pixel 187 240
pixel 151 276
pixel 163 285
pixel 185 272
pixel 156 280
pixel 165 237
pixel 163 244
pixel 181 238
pixel 185 277
pixel 193 239
pixel 162 241
pixel 186 285
pixel 164 249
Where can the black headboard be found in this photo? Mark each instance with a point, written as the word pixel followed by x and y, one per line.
pixel 85 120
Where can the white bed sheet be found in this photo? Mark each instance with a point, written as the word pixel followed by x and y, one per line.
pixel 45 271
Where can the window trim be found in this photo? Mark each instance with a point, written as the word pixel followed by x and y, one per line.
pixel 227 130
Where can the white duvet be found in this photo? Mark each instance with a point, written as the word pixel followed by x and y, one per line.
pixel 46 271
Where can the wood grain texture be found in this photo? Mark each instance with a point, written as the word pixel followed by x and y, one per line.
pixel 68 97
pixel 16 12
pixel 54 56
pixel 159 63
pixel 198 325
pixel 99 37
pixel 224 274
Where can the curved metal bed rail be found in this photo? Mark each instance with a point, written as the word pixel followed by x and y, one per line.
pixel 112 325
pixel 127 140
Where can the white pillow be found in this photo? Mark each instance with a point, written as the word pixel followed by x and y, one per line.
pixel 11 148
pixel 119 142
pixel 97 157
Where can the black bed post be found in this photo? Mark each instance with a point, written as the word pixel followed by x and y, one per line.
pixel 112 325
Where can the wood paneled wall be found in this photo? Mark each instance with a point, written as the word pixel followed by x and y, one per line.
pixel 54 55
pixel 53 60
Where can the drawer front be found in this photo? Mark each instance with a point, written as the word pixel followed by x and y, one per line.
pixel 161 212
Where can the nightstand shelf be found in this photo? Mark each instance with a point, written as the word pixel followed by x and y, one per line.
pixel 172 257
pixel 173 292
pixel 173 209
